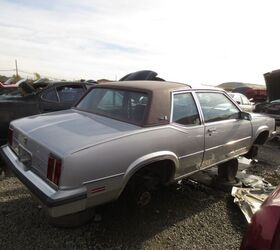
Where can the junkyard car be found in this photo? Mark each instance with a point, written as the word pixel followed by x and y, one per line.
pixel 272 109
pixel 264 230
pixel 128 138
pixel 242 101
pixel 35 99
pixel 272 106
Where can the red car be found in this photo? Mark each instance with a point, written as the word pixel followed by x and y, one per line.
pixel 263 233
pixel 7 86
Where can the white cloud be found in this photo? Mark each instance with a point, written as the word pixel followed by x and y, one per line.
pixel 192 41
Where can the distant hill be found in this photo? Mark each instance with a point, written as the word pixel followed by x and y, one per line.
pixel 234 85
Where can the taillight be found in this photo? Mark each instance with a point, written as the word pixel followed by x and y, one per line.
pixel 10 136
pixel 54 169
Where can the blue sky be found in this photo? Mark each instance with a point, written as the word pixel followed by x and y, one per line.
pixel 193 41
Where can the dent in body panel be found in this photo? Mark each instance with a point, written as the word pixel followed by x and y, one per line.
pixel 226 139
pixel 186 149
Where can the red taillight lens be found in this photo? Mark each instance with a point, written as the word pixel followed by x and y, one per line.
pixel 10 136
pixel 54 169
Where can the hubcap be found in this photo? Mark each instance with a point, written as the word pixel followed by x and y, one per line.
pixel 144 199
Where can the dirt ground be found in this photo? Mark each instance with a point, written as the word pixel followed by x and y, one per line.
pixel 180 217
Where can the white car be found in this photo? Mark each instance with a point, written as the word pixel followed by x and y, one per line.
pixel 242 101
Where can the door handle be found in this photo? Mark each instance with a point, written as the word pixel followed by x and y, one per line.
pixel 211 130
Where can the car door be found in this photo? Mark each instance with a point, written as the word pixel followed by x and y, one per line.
pixel 226 135
pixel 188 132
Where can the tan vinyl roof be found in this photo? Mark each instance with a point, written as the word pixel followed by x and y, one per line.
pixel 159 92
pixel 149 85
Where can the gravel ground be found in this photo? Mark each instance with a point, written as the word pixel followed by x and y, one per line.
pixel 180 217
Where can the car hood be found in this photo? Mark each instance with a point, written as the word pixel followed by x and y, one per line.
pixel 68 131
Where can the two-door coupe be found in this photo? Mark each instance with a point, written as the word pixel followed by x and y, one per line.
pixel 128 137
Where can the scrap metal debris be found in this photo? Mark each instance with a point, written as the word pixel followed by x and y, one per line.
pixel 250 197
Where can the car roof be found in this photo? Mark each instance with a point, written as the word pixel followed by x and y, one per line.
pixel 159 93
pixel 148 85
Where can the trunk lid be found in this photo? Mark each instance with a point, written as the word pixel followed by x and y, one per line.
pixel 65 132
pixel 60 134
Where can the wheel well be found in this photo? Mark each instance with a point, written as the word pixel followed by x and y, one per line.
pixel 262 137
pixel 163 170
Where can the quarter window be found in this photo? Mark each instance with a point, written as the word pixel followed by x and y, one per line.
pixel 184 110
pixel 217 107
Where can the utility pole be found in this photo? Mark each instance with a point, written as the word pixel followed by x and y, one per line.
pixel 16 69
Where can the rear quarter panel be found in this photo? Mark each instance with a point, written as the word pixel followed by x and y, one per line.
pixel 111 164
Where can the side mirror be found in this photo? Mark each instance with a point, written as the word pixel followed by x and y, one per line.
pixel 245 116
pixel 238 102
pixel 251 99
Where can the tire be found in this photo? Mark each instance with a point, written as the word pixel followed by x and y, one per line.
pixel 72 220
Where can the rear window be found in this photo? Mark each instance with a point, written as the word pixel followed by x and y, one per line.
pixel 118 104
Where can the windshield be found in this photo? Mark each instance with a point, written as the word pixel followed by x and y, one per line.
pixel 124 105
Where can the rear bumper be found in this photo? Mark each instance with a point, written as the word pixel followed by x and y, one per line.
pixel 57 202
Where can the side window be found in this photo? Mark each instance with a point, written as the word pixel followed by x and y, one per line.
pixel 217 107
pixel 70 93
pixel 184 110
pixel 50 95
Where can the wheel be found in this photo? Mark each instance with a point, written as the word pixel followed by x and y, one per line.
pixel 139 191
pixel 72 220
pixel 143 197
pixel 227 171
